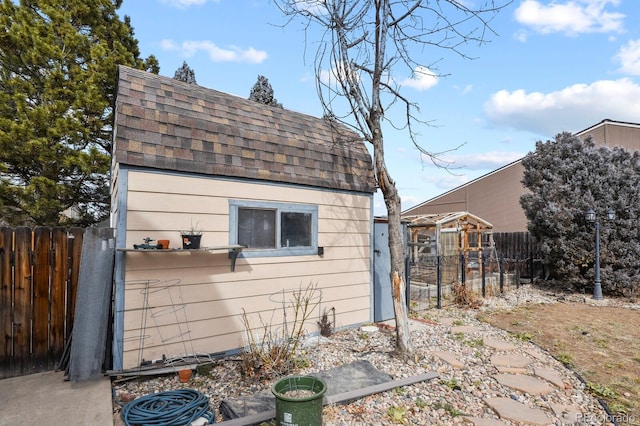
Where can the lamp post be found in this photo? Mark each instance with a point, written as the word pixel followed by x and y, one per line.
pixel 591 218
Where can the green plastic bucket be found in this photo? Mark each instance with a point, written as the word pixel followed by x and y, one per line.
pixel 299 410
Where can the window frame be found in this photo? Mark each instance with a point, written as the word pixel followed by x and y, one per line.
pixel 279 208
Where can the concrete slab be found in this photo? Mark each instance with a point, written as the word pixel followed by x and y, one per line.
pixel 47 399
pixel 524 383
pixel 516 411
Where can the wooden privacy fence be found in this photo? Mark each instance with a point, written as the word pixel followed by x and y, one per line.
pixel 38 281
pixel 522 249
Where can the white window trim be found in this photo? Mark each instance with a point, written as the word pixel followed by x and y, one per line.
pixel 234 205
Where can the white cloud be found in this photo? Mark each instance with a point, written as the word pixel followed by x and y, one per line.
pixel 489 160
pixel 570 109
pixel 571 17
pixel 629 57
pixel 422 79
pixel 216 54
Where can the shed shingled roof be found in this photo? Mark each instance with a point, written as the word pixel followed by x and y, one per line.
pixel 166 124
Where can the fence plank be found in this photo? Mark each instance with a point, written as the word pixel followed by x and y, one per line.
pixel 22 301
pixel 38 282
pixel 6 292
pixel 41 279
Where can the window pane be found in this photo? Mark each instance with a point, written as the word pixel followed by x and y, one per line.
pixel 295 229
pixel 257 228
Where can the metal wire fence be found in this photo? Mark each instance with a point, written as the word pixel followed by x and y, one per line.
pixel 482 273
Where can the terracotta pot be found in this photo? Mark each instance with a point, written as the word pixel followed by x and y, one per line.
pixel 164 244
pixel 184 375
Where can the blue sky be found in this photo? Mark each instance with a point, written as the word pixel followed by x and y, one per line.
pixel 553 66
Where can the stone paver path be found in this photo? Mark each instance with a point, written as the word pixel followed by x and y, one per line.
pixel 515 370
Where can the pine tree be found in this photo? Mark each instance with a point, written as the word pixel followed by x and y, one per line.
pixel 568 176
pixel 185 73
pixel 263 92
pixel 58 66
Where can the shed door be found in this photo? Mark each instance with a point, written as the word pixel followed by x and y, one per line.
pixel 382 302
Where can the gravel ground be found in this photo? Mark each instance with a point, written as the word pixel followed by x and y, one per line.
pixel 455 397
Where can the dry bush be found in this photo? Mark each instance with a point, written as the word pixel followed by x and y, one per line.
pixel 270 350
pixel 464 296
pixel 326 326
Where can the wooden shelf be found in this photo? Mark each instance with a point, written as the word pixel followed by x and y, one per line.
pixel 233 250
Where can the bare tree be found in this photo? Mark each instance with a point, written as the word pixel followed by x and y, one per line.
pixel 365 45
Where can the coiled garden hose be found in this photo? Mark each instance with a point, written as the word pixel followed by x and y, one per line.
pixel 177 407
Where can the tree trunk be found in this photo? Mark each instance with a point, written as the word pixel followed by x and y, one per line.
pixel 398 285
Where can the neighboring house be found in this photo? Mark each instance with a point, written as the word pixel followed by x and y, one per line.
pixel 296 190
pixel 495 197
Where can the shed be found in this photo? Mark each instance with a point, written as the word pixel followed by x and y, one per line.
pixel 283 200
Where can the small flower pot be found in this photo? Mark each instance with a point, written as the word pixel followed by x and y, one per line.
pixel 164 244
pixel 191 242
pixel 184 375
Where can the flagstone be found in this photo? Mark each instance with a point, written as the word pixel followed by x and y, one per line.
pixel 569 414
pixel 481 421
pixel 449 358
pixel 509 409
pixel 499 344
pixel 465 329
pixel 513 370
pixel 524 383
pixel 552 376
pixel 510 360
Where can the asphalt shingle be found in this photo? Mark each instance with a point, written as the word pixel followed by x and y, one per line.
pixel 167 124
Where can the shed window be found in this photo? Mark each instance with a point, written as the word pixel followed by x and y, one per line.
pixel 273 229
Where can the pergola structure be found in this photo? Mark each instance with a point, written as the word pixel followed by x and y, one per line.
pixel 447 234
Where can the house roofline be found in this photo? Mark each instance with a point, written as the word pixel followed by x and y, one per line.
pixel 457 188
pixel 608 121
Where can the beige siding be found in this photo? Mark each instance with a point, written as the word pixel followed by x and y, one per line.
pixel 176 303
pixel 495 198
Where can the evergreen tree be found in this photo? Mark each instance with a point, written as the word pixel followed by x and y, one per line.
pixel 263 92
pixel 567 177
pixel 58 66
pixel 185 73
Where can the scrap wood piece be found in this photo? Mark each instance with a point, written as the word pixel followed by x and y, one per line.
pixel 340 398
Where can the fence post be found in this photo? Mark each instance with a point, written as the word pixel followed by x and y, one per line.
pixel 531 265
pixel 407 280
pixel 501 266
pixel 438 283
pixel 483 264
pixel 518 270
pixel 463 268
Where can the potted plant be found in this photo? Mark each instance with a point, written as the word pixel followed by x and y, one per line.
pixel 191 237
pixel 299 400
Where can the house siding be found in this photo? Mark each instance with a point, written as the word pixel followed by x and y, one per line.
pixel 495 197
pixel 178 302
